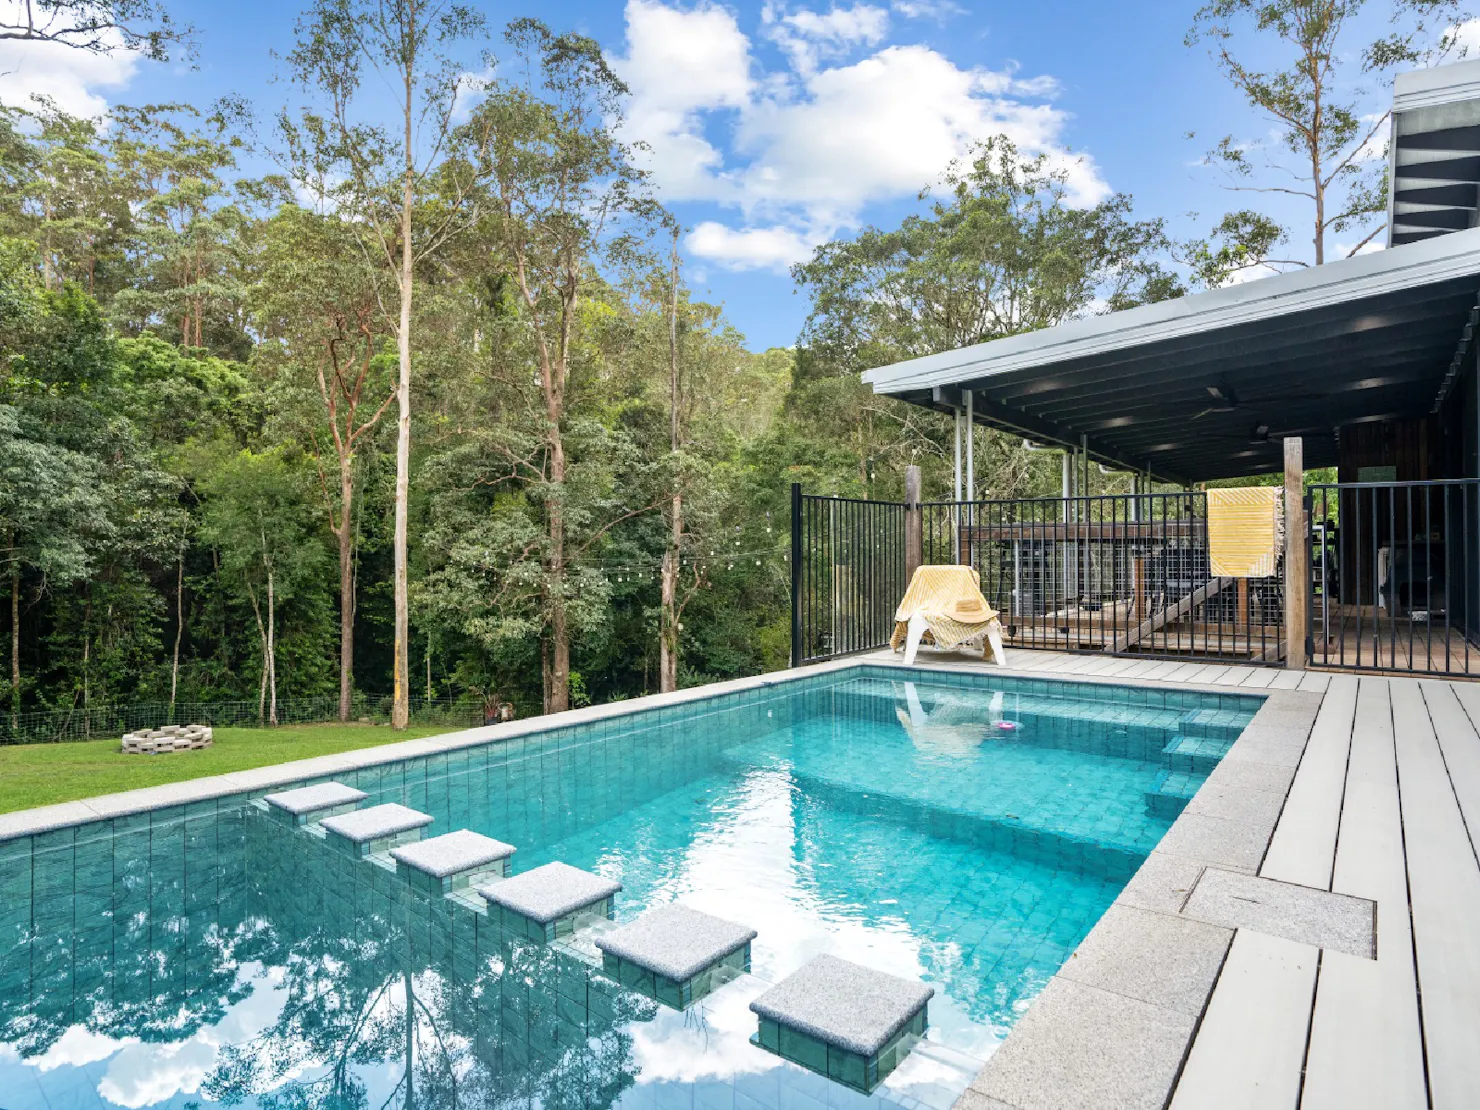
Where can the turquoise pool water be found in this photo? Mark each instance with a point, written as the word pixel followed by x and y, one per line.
pixel 967 831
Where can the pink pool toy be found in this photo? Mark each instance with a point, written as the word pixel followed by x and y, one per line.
pixel 1008 726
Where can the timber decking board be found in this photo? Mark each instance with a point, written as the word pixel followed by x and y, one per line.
pixel 1238 1064
pixel 1303 848
pixel 1444 892
pixel 1461 746
pixel 1366 1046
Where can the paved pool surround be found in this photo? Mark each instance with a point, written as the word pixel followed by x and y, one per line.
pixel 1113 1026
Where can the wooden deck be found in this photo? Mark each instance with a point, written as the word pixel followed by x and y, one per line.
pixel 1385 805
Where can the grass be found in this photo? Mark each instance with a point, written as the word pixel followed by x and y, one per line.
pixel 42 774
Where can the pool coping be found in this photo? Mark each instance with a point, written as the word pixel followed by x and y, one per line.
pixel 1115 1023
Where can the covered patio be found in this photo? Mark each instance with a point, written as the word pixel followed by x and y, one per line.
pixel 1367 365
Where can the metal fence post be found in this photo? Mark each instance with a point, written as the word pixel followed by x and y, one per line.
pixel 1297 552
pixel 913 533
pixel 796 574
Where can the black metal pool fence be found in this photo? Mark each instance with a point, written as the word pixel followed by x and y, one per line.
pixel 1123 574
pixel 112 721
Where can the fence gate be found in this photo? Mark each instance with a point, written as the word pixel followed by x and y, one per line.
pixel 1395 576
pixel 847 574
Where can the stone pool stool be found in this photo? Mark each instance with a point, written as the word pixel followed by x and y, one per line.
pixel 366 831
pixel 544 903
pixel 452 861
pixel 676 955
pixel 313 803
pixel 849 1022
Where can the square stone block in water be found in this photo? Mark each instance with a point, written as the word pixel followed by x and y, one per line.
pixel 676 955
pixel 366 831
pixel 846 1021
pixel 314 803
pixel 544 903
pixel 452 861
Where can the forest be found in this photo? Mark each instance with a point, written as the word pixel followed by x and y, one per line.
pixel 423 405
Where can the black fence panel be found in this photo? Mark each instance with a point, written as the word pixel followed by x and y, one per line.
pixel 847 568
pixel 1393 576
pixel 1121 574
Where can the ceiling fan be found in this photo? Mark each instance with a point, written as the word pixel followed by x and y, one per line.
pixel 1226 400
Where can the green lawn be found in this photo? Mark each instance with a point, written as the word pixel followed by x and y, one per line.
pixel 40 774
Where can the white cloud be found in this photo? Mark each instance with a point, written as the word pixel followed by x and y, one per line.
pixel 751 248
pixel 807 36
pixel 801 150
pixel 73 78
pixel 1344 250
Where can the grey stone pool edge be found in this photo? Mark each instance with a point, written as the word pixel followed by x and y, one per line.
pixel 1114 1025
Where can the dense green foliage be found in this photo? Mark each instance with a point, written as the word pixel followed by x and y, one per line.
pixel 198 414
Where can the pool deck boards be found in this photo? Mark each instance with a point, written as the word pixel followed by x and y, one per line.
pixel 1384 805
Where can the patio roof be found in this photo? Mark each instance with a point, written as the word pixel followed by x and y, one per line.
pixel 1182 388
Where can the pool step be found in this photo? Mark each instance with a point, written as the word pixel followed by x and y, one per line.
pixel 676 955
pixel 1216 724
pixel 549 902
pixel 452 861
pixel 366 831
pixel 308 804
pixel 1196 755
pixel 1171 791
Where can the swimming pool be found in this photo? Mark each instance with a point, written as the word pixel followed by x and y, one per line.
pixel 967 830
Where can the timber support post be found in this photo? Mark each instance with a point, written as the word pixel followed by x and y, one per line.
pixel 913 532
pixel 1297 556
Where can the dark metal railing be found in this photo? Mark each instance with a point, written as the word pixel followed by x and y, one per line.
pixel 847 574
pixel 1121 573
pixel 1395 579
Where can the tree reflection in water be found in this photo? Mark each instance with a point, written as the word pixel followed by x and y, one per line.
pixel 373 977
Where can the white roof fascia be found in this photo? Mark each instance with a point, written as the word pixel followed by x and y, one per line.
pixel 1427 262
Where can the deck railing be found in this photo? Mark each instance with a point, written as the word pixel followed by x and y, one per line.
pixel 1121 574
pixel 1395 576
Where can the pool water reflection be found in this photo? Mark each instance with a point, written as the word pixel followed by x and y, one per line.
pixel 208 955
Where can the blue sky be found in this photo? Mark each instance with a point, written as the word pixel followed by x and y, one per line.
pixel 775 126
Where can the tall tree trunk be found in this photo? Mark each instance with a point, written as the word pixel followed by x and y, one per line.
pixel 668 616
pixel 400 705
pixel 346 590
pixel 262 639
pixel 557 693
pixel 15 629
pixel 272 713
pixel 179 630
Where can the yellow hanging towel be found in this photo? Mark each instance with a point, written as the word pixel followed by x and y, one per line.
pixel 1246 531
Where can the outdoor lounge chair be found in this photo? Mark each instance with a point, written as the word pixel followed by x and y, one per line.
pixel 946 604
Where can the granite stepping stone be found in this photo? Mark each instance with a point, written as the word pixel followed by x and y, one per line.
pixel 848 1022
pixel 366 831
pixel 452 861
pixel 676 955
pixel 544 903
pixel 313 803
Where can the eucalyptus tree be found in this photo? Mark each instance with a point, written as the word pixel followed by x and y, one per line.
pixel 187 227
pixel 100 27
pixel 565 201
pixel 1311 71
pixel 256 513
pixel 1000 250
pixel 315 307
pixel 376 175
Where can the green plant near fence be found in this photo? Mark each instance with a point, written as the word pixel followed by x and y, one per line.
pixel 112 721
